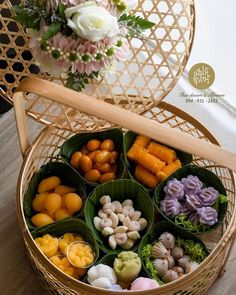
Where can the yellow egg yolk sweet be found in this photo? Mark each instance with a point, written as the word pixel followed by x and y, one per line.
pixel 63 264
pixel 48 245
pixel 80 254
pixel 68 239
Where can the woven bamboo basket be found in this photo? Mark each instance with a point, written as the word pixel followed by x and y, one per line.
pixel 65 118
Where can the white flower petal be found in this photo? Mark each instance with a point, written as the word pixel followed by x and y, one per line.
pixel 92 22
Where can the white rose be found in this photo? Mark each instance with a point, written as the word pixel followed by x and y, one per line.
pixel 91 22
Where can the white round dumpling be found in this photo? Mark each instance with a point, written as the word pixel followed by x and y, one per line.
pixel 102 282
pixel 107 272
pixel 92 274
pixel 101 271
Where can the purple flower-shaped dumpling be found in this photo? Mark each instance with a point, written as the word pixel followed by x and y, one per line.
pixel 193 202
pixel 207 215
pixel 194 217
pixel 192 185
pixel 174 189
pixel 208 196
pixel 170 207
pixel 183 210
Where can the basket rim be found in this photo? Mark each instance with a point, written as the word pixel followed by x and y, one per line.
pixel 75 284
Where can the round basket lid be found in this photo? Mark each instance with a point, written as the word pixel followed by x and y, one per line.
pixel 153 68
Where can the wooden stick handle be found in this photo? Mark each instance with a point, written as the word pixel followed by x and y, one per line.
pixel 21 122
pixel 129 120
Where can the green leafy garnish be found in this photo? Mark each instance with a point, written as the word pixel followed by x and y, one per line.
pixel 52 30
pixel 135 24
pixel 193 249
pixel 183 221
pixel 78 81
pixel 146 256
pixel 222 199
pixel 30 13
pixel 61 9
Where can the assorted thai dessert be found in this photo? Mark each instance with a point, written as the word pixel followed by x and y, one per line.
pixel 119 214
pixel 170 258
pixel 96 160
pixel 54 201
pixel 119 222
pixel 103 276
pixel 154 161
pixel 70 253
pixel 127 266
pixel 142 283
pixel 191 204
pixel 123 274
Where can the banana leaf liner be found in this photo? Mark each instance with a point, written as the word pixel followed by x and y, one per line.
pixel 208 179
pixel 129 139
pixel 69 225
pixel 76 142
pixel 68 177
pixel 181 235
pixel 107 259
pixel 118 190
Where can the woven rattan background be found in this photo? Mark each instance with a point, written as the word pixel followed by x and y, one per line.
pixel 152 69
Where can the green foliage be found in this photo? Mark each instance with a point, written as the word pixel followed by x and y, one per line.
pixel 61 10
pixel 52 30
pixel 30 13
pixel 222 199
pixel 146 257
pixel 182 220
pixel 193 249
pixel 135 24
pixel 78 81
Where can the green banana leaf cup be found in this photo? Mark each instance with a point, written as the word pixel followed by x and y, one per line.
pixel 118 190
pixel 185 220
pixel 129 139
pixel 193 247
pixel 68 177
pixel 76 143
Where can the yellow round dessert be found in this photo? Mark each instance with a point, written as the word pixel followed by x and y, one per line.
pixel 68 239
pixel 80 254
pixel 48 245
pixel 63 264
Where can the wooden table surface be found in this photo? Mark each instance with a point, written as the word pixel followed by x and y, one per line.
pixel 16 275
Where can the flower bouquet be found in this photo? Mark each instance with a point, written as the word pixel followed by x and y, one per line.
pixel 78 39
